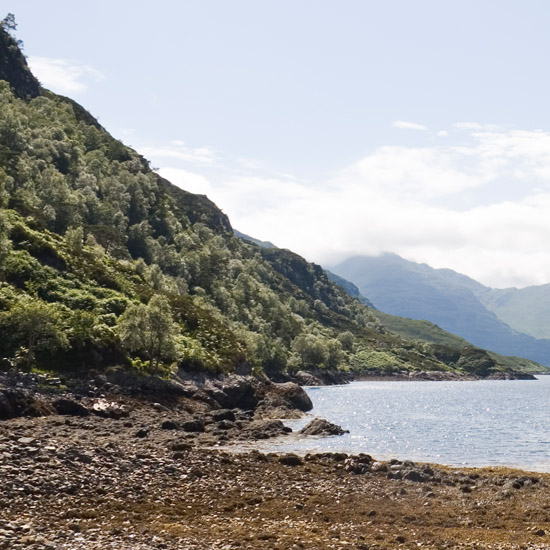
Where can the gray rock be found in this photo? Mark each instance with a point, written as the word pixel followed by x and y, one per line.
pixel 318 426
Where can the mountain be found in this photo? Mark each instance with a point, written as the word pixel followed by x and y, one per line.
pixel 453 301
pixel 526 310
pixel 106 265
pixel 261 244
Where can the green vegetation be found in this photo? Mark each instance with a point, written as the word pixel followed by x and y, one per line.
pixel 103 263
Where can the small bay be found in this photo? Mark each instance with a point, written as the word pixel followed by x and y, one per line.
pixel 481 423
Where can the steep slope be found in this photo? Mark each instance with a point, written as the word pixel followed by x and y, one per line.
pixel 103 264
pixel 441 296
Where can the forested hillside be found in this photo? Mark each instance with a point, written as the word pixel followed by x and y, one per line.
pixel 104 264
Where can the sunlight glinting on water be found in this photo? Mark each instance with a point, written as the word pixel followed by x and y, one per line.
pixel 456 423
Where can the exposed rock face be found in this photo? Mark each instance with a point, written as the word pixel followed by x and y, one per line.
pixel 234 392
pixel 318 426
pixel 14 68
pixel 287 395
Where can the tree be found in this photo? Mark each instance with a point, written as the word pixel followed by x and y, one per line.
pixel 311 349
pixel 5 244
pixel 9 23
pixel 36 324
pixel 151 330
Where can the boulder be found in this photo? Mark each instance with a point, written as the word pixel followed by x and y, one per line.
pixel 70 407
pixel 319 426
pixel 170 425
pixel 286 395
pixel 240 392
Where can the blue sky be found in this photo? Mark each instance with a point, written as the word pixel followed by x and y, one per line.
pixel 331 128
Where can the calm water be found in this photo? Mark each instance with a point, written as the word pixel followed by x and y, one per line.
pixel 456 423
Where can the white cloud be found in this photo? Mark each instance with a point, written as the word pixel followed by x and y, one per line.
pixel 194 183
pixel 442 133
pixel 481 208
pixel 446 206
pixel 475 126
pixel 65 76
pixel 178 150
pixel 408 125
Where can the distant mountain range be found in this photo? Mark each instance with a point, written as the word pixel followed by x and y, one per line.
pixel 508 321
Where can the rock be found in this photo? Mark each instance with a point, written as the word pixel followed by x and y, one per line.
pixel 540 532
pixel 291 459
pixel 223 414
pixel 109 409
pixel 319 426
pixel 15 403
pixel 263 429
pixel 240 392
pixel 70 407
pixel 170 425
pixel 413 475
pixel 288 394
pixel 226 425
pixel 305 378
pixel 195 425
pixel 141 433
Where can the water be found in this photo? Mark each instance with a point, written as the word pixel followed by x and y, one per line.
pixel 456 423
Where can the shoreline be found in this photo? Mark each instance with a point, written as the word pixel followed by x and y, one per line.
pixel 91 483
pixel 136 476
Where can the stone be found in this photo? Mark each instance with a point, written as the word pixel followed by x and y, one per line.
pixel 291 459
pixel 264 429
pixel 223 414
pixel 319 426
pixel 170 425
pixel 195 425
pixel 70 407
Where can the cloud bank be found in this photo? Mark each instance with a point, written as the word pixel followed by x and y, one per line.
pixel 479 204
pixel 64 76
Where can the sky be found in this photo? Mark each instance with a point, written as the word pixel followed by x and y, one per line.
pixel 332 128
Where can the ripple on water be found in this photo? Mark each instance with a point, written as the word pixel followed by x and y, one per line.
pixel 456 423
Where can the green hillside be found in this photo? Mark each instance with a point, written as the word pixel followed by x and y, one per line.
pixel 103 264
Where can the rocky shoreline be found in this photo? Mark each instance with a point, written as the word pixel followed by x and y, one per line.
pixel 115 466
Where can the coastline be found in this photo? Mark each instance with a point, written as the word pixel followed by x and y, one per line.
pixel 138 480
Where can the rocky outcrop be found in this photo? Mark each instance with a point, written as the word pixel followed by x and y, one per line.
pixel 233 392
pixel 287 396
pixel 14 68
pixel 20 402
pixel 319 426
